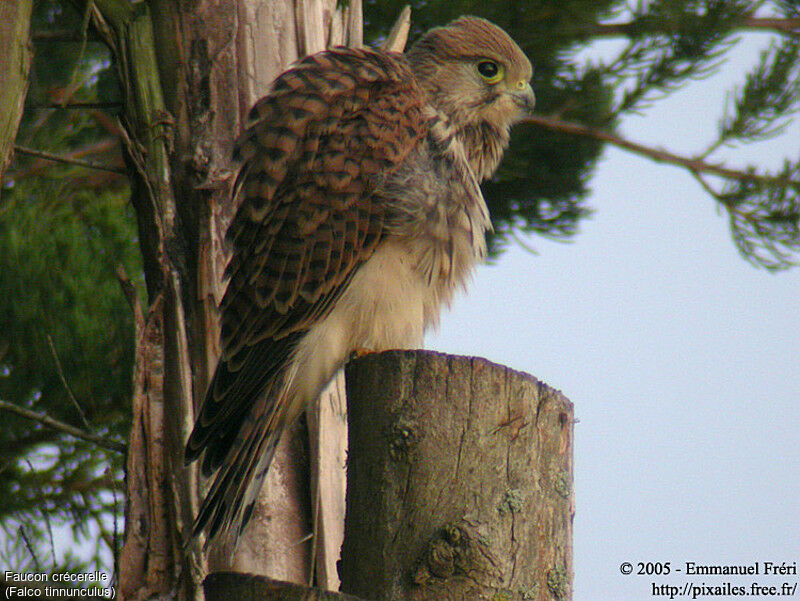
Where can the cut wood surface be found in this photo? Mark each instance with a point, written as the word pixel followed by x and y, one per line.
pixel 459 481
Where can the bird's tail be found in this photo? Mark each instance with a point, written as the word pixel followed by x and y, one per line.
pixel 237 483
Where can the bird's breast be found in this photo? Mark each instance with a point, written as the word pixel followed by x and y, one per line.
pixel 438 212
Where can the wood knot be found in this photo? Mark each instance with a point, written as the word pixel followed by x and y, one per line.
pixel 448 553
pixel 441 559
pixel 402 439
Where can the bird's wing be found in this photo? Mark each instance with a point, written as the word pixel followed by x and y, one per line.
pixel 314 150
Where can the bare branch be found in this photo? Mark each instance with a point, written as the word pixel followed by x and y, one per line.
pixel 64 35
pixel 705 185
pixel 104 146
pixel 29 546
pixel 72 106
pixel 110 445
pixel 61 159
pixel 45 515
pixel 63 379
pixel 694 165
pixel 784 26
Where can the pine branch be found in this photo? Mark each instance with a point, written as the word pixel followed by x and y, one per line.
pixel 670 45
pixel 29 546
pixel 764 219
pixel 63 378
pixel 763 106
pixel 46 518
pixel 104 146
pixel 763 208
pixel 693 165
pixel 110 445
pixel 68 161
pixel 63 35
pixel 782 25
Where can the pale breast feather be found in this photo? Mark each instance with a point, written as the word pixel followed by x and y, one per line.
pixel 436 205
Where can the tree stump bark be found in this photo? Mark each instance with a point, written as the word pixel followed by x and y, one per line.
pixel 459 481
pixel 232 586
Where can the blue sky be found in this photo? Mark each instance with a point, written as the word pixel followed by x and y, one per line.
pixel 681 358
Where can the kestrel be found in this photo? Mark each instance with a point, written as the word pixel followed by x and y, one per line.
pixel 360 217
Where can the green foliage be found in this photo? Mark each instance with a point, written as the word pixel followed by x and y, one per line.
pixel 57 283
pixel 62 314
pixel 764 209
pixel 66 331
pixel 763 106
pixel 765 216
pixel 789 8
pixel 672 42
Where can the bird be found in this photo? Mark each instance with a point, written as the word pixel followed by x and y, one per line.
pixel 360 216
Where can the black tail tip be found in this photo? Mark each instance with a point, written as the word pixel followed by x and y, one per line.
pixel 190 454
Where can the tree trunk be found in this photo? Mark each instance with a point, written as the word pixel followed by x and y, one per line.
pixel 15 63
pixel 190 73
pixel 459 481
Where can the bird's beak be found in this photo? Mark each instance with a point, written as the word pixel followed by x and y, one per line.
pixel 524 98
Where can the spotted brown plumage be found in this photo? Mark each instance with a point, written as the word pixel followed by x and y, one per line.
pixel 360 215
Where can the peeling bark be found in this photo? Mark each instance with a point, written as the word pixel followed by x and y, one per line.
pixel 159 490
pixel 150 557
pixel 190 73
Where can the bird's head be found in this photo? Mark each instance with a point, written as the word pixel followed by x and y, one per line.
pixel 474 72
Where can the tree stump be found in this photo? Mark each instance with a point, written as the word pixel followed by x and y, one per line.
pixel 459 481
pixel 232 586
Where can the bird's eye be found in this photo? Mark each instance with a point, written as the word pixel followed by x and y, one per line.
pixel 490 71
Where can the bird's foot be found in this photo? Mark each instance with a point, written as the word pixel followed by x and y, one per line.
pixel 360 352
